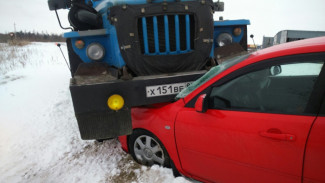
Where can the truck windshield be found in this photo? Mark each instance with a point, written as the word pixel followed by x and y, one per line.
pixel 211 73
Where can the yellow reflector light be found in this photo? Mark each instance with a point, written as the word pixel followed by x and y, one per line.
pixel 79 44
pixel 115 102
pixel 237 31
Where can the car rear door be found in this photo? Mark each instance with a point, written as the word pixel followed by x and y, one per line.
pixel 256 125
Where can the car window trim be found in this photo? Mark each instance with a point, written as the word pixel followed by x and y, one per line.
pixel 322 109
pixel 317 100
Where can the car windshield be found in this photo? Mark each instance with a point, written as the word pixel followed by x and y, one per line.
pixel 211 73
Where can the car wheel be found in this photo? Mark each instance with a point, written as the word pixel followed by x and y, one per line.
pixel 147 149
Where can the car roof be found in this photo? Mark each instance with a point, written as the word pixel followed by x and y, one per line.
pixel 291 48
pixel 312 45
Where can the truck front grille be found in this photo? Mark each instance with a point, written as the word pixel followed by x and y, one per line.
pixel 166 34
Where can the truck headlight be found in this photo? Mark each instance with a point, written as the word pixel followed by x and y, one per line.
pixel 224 39
pixel 95 51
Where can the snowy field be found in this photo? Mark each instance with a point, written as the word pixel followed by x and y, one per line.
pixel 39 137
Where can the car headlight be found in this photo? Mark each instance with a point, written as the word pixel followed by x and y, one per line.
pixel 224 39
pixel 95 51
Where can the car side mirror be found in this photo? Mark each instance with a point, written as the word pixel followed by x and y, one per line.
pixel 201 104
pixel 275 70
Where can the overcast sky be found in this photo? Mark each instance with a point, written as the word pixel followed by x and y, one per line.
pixel 267 16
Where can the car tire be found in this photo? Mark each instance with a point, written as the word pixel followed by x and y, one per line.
pixel 147 149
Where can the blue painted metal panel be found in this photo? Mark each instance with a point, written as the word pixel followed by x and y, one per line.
pixel 212 51
pixel 145 35
pixel 166 34
pixel 97 32
pixel 115 58
pixel 71 34
pixel 188 41
pixel 109 41
pixel 155 31
pixel 229 29
pixel 178 49
pixel 232 22
pixel 227 26
pixel 106 24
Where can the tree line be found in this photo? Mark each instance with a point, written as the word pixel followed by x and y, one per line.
pixel 31 37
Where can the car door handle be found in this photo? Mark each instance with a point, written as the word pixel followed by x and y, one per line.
pixel 276 136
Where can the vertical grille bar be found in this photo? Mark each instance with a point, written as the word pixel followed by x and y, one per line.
pixel 178 47
pixel 166 34
pixel 188 43
pixel 155 30
pixel 145 35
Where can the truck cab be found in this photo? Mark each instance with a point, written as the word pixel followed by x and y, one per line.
pixel 127 53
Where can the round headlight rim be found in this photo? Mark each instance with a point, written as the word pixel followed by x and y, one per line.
pixel 95 44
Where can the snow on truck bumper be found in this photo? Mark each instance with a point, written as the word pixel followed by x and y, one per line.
pixel 97 121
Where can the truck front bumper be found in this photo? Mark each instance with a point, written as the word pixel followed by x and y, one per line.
pixel 97 121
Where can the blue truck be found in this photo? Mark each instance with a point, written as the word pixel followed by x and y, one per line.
pixel 126 53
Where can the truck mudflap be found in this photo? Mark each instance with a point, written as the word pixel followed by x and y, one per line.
pixel 97 121
pixel 104 124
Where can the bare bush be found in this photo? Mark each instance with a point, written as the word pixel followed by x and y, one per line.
pixel 17 42
pixel 13 56
pixel 34 54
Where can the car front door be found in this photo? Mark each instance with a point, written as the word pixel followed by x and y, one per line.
pixel 256 125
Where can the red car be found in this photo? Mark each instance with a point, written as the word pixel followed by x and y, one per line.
pixel 254 118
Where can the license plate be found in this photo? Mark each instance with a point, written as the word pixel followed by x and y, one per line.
pixel 168 89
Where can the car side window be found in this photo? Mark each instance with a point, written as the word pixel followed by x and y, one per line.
pixel 278 89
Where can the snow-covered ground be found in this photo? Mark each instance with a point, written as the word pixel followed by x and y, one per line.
pixel 39 137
